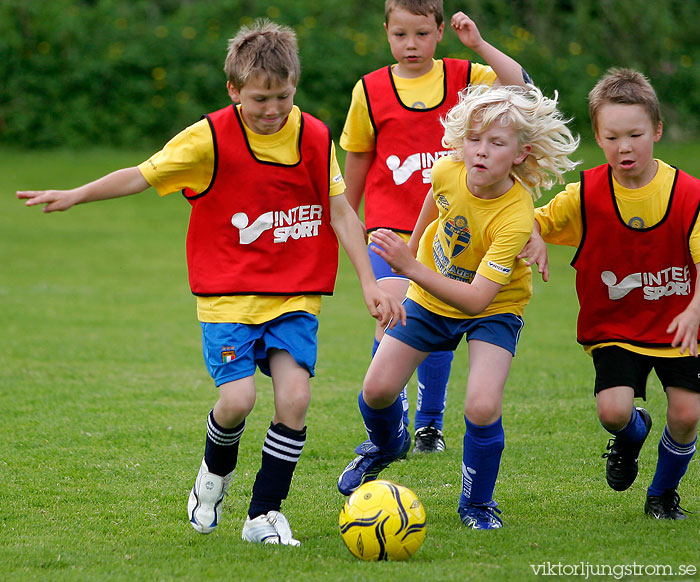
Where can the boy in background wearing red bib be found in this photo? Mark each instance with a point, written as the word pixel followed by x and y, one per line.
pixel 393 137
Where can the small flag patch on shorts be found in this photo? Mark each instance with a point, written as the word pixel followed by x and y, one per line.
pixel 228 354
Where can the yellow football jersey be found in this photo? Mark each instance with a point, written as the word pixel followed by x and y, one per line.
pixel 472 235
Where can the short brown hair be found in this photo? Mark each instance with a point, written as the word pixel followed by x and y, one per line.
pixel 626 87
pixel 264 49
pixel 422 7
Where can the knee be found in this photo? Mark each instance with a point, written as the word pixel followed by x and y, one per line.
pixel 482 411
pixel 231 410
pixel 614 419
pixel 615 407
pixel 683 423
pixel 378 395
pixel 299 400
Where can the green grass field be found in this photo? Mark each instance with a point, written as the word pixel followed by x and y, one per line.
pixel 104 395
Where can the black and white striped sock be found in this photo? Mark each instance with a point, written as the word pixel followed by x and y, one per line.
pixel 280 454
pixel 221 449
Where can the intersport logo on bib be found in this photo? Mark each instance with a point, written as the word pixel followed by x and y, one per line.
pixel 299 222
pixel 670 281
pixel 402 171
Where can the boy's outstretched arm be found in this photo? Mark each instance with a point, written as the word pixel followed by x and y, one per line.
pixel 508 70
pixel 685 325
pixel 470 298
pixel 120 183
pixel 383 307
pixel 535 251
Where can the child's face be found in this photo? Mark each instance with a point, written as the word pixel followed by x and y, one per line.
pixel 489 156
pixel 264 108
pixel 413 39
pixel 627 136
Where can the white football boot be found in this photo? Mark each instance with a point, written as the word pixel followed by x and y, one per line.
pixel 206 498
pixel 271 528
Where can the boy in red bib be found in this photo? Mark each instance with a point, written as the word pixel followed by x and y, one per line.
pixel 634 222
pixel 393 137
pixel 267 202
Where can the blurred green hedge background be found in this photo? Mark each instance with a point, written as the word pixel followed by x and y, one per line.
pixel 128 73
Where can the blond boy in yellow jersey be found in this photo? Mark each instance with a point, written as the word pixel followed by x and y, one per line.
pixel 466 280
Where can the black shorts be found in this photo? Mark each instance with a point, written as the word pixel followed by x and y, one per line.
pixel 616 366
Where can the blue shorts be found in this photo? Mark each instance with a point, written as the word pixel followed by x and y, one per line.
pixel 429 332
pixel 233 350
pixel 382 269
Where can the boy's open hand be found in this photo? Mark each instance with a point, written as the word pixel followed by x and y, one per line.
pixel 535 251
pixel 52 199
pixel 466 30
pixel 685 329
pixel 387 310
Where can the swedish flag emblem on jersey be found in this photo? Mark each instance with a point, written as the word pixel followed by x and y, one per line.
pixel 457 235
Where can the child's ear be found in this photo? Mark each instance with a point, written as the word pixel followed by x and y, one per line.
pixel 524 152
pixel 659 131
pixel 441 31
pixel 233 93
pixel 598 141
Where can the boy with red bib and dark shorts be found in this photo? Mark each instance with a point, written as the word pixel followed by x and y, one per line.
pixel 634 222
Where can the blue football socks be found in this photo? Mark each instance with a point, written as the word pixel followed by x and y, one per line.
pixel 375 345
pixel 672 464
pixel 403 397
pixel 635 430
pixel 433 374
pixel 481 459
pixel 384 425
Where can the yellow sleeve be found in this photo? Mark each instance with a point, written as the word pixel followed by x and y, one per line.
pixel 503 253
pixel 337 185
pixel 482 74
pixel 186 161
pixel 358 133
pixel 695 242
pixel 560 220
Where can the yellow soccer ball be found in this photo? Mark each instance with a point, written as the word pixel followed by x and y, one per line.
pixel 382 520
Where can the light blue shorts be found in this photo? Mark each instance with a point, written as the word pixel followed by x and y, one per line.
pixel 429 332
pixel 233 350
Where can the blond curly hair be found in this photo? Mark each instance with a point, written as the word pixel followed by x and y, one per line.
pixel 537 121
